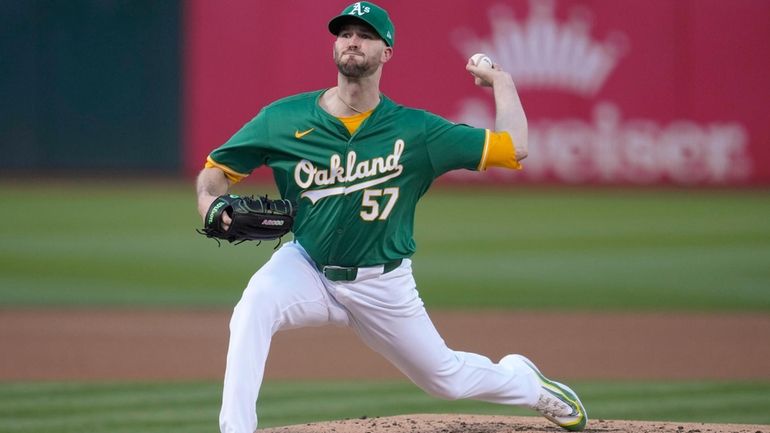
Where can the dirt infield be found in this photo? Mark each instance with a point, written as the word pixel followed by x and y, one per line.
pixel 502 424
pixel 154 344
pixel 158 345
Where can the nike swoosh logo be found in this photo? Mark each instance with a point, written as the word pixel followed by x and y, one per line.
pixel 298 134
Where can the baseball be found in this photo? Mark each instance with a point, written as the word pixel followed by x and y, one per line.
pixel 481 60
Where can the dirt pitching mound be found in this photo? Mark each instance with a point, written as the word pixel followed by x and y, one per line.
pixel 502 424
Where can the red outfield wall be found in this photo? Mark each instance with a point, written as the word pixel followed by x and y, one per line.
pixel 633 91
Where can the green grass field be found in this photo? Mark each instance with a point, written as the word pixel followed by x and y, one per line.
pixel 132 244
pixel 193 407
pixel 610 249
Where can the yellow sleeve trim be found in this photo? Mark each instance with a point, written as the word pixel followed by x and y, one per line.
pixel 232 175
pixel 499 151
pixel 485 152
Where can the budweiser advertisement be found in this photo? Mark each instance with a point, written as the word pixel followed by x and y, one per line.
pixel 616 92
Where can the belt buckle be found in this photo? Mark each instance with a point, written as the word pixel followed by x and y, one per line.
pixel 339 273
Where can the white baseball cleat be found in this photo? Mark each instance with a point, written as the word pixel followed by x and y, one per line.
pixel 557 402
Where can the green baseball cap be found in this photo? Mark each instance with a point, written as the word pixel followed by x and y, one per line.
pixel 369 13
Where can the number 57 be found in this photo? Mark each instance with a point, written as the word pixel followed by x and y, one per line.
pixel 371 207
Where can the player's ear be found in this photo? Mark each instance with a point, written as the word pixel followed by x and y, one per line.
pixel 387 53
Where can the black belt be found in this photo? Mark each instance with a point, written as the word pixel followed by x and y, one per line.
pixel 345 273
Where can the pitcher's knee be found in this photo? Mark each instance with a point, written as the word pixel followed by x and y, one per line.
pixel 443 388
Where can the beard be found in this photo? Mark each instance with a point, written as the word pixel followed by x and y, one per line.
pixel 353 68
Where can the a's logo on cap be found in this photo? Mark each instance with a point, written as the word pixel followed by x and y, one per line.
pixel 358 10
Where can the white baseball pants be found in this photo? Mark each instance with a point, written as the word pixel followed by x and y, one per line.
pixel 385 311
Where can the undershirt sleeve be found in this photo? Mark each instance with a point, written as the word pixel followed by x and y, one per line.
pixel 500 151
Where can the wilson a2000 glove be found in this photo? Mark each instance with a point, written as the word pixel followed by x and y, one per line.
pixel 254 219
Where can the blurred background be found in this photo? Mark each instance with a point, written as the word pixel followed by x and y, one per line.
pixel 132 86
pixel 637 239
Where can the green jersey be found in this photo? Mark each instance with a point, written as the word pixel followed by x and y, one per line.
pixel 356 194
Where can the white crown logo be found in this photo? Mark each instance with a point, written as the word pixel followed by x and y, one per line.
pixel 541 54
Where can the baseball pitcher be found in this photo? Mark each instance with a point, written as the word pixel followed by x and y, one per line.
pixel 351 164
